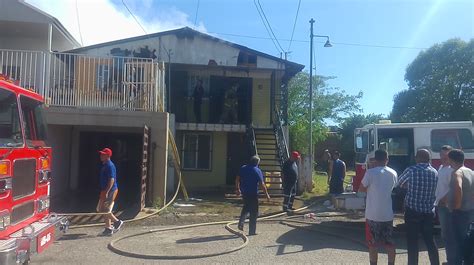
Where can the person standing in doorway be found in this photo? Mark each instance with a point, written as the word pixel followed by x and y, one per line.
pixel 198 94
pixel 379 182
pixel 338 174
pixel 108 193
pixel 290 179
pixel 461 202
pixel 441 202
pixel 247 182
pixel 420 181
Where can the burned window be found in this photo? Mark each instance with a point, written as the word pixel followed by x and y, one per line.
pixel 246 59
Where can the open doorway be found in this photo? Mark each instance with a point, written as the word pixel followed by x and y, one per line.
pixel 127 157
pixel 237 155
pixel 230 100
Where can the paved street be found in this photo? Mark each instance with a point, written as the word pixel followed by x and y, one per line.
pixel 276 243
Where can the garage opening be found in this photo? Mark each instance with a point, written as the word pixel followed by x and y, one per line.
pixel 127 156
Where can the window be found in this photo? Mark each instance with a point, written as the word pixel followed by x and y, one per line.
pixel 102 76
pixel 395 146
pixel 457 138
pixel 33 121
pixel 361 141
pixel 10 130
pixel 246 59
pixel 197 151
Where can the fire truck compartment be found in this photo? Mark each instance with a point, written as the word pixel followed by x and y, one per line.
pixel 400 146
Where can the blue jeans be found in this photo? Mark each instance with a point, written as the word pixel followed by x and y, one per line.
pixel 460 224
pixel 447 233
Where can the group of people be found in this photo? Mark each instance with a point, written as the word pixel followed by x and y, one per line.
pixel 448 191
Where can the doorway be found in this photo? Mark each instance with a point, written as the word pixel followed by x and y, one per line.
pixel 237 155
pixel 127 157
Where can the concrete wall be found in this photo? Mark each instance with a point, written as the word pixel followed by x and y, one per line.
pixel 116 121
pixel 59 138
pixel 215 177
pixel 195 50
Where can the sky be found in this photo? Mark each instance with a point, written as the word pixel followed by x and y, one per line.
pixel 373 40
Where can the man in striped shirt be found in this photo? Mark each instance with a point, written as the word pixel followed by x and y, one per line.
pixel 420 181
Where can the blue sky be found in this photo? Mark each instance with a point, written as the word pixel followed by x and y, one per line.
pixel 377 72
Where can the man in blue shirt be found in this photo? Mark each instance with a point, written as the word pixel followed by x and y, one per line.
pixel 108 192
pixel 247 182
pixel 338 174
pixel 420 181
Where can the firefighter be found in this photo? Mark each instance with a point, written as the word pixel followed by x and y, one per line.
pixel 290 178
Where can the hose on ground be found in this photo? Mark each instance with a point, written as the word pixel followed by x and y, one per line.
pixel 114 248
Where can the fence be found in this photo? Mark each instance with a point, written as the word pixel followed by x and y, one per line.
pixel 84 81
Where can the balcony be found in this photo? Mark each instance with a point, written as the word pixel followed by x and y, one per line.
pixel 83 81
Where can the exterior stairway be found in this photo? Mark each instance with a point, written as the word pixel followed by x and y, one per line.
pixel 267 150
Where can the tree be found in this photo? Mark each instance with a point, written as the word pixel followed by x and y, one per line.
pixel 328 103
pixel 440 85
pixel 347 133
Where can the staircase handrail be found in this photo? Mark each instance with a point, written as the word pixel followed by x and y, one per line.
pixel 252 140
pixel 282 146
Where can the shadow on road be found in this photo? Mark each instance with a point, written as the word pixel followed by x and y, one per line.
pixel 343 235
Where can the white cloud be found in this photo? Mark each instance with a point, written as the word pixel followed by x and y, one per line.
pixel 101 21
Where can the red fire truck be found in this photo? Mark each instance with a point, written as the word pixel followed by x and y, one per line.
pixel 26 225
pixel 401 140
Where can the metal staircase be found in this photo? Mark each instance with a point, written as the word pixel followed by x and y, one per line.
pixel 271 146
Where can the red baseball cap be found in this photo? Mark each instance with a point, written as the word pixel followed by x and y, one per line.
pixel 106 151
pixel 295 154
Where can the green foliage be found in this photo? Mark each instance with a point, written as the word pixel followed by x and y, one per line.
pixel 347 133
pixel 441 85
pixel 329 103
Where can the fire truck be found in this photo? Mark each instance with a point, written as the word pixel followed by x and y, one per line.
pixel 26 224
pixel 402 140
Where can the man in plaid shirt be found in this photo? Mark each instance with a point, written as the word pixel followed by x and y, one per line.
pixel 420 181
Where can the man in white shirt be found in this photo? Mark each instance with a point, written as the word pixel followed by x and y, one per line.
pixel 379 182
pixel 442 189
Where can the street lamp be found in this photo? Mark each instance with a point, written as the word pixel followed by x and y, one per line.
pixel 327 45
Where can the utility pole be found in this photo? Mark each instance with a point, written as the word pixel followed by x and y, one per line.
pixel 169 80
pixel 311 98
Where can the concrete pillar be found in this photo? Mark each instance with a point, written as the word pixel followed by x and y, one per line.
pixel 305 180
pixel 159 138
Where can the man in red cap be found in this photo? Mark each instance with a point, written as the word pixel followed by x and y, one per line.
pixel 108 192
pixel 290 177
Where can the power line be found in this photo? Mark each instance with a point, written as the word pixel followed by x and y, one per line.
pixel 269 26
pixel 136 20
pixel 266 27
pixel 79 24
pixel 294 24
pixel 196 16
pixel 307 41
pixel 168 52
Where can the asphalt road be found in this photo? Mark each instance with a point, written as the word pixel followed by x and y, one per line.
pixel 275 244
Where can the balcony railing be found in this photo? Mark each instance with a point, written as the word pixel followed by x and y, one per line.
pixel 83 81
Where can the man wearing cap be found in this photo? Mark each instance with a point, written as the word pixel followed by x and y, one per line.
pixel 290 177
pixel 108 192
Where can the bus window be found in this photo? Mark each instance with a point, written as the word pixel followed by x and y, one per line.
pixel 457 138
